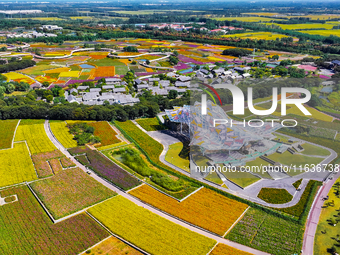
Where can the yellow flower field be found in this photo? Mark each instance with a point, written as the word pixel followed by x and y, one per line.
pixel 36 138
pixel 149 231
pixel 58 70
pixel 335 32
pixel 222 249
pixel 61 132
pixel 205 208
pixel 16 165
pixel 69 74
pixel 257 35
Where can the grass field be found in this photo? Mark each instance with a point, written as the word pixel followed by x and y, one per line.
pixel 16 165
pixel 326 234
pixel 287 158
pixel 275 196
pixel 243 179
pixel 213 177
pixel 267 233
pixel 112 246
pixel 310 149
pixel 222 249
pixel 26 228
pixel 31 121
pixel 205 208
pixel 151 124
pixel 259 162
pixel 36 138
pixel 70 191
pixel 173 156
pixel 257 35
pixel 159 236
pixel 61 132
pixel 7 128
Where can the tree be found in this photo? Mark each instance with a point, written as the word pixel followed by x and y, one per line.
pixel 173 60
pixel 49 98
pixel 147 62
pixel 314 101
pixel 173 94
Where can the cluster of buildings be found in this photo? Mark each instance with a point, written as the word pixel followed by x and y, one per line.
pixel 236 73
pixel 33 34
pixel 51 27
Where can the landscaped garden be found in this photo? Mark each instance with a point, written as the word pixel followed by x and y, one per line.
pixel 147 230
pixel 275 196
pixel 151 124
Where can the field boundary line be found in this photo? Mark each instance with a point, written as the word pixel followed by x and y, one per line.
pixel 15 132
pixel 95 245
pixel 212 248
pixel 117 236
pixel 236 221
pixel 11 186
pixel 135 187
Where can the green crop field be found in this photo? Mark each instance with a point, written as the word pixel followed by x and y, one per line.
pixel 7 128
pixel 36 138
pixel 31 121
pixel 70 191
pixel 257 35
pixel 26 228
pixel 16 165
pixel 335 32
pixel 61 132
pixel 267 233
pixel 147 230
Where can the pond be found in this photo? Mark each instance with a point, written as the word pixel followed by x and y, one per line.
pixel 86 66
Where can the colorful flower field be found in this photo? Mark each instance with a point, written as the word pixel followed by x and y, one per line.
pixel 105 132
pixel 41 164
pixel 149 231
pixel 12 76
pixel 222 249
pixel 16 165
pixel 70 191
pixel 110 171
pixel 30 231
pixel 205 208
pixel 61 132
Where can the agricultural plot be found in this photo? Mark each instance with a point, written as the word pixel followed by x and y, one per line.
pixel 112 246
pixel 16 165
pixel 18 77
pixel 335 32
pixel 70 191
pixel 303 26
pixel 61 132
pixel 26 228
pixel 105 132
pixel 205 208
pixel 36 138
pixel 31 121
pixel 267 233
pixel 275 196
pixel 150 124
pixel 247 19
pixel 222 249
pixel 7 128
pixel 160 236
pixel 110 171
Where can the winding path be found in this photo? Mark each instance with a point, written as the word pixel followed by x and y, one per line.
pixel 146 206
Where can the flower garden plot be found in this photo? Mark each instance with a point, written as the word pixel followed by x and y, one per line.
pixel 70 191
pixel 28 229
pixel 31 121
pixel 267 233
pixel 74 74
pixel 16 165
pixel 105 132
pixel 110 171
pixel 55 165
pixel 36 138
pixel 61 132
pixel 58 70
pixel 222 249
pixel 18 77
pixel 46 78
pixel 41 162
pixel 275 196
pixel 36 70
pixel 104 71
pixel 160 236
pixel 205 208
pixel 7 128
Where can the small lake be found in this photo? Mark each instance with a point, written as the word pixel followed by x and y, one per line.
pixel 86 66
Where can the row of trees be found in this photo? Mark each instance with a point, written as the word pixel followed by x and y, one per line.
pixel 16 65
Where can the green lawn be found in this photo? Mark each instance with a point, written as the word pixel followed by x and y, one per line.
pixel 287 158
pixel 325 233
pixel 174 156
pixel 258 162
pixel 243 179
pixel 310 149
pixel 213 177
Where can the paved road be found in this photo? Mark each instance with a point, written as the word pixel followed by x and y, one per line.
pixel 145 206
pixel 314 216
